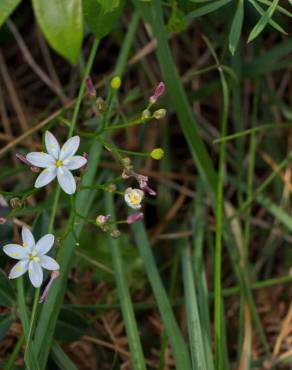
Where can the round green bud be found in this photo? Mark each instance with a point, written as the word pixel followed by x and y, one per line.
pixel 160 113
pixel 157 153
pixel 116 83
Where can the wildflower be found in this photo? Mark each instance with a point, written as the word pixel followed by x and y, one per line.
pixel 157 153
pixel 58 162
pixel 32 257
pixel 116 83
pixel 134 197
pixel 135 217
pixel 160 89
pixel 143 183
pixel 159 113
pixel 90 87
pixel 54 275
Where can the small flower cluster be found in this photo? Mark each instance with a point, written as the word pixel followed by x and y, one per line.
pixel 57 163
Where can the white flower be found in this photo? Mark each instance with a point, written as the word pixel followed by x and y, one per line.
pixel 58 162
pixel 134 197
pixel 31 257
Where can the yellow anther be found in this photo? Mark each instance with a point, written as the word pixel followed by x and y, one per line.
pixel 24 245
pixel 59 163
pixel 135 198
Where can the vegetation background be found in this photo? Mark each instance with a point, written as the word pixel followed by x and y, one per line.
pixel 204 281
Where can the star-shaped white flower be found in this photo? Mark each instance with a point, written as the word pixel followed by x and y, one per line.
pixel 32 257
pixel 58 162
pixel 134 197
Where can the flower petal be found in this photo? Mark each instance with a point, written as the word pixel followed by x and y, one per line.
pixel 52 145
pixel 66 180
pixel 19 269
pixel 44 244
pixel 45 177
pixel 15 251
pixel 73 163
pixel 35 274
pixel 49 263
pixel 27 238
pixel 69 148
pixel 40 159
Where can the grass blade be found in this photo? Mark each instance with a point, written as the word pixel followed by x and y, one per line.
pixel 260 26
pixel 137 357
pixel 192 313
pixel 236 27
pixel 206 9
pixel 177 343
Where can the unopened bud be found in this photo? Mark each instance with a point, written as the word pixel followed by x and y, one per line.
pixel 54 275
pixel 101 105
pixel 15 203
pixel 160 89
pixel 157 153
pixel 102 219
pixel 111 188
pixel 90 87
pixel 160 113
pixel 84 168
pixel 116 83
pixel 115 233
pixel 135 217
pixel 146 114
pixel 22 159
pixel 2 220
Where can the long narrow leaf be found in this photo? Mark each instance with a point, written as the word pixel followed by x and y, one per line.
pixel 236 27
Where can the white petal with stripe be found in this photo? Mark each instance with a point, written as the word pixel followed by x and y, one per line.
pixel 15 251
pixel 52 145
pixel 69 148
pixel 35 274
pixel 40 159
pixel 75 162
pixel 49 263
pixel 19 269
pixel 45 177
pixel 44 244
pixel 66 180
pixel 27 238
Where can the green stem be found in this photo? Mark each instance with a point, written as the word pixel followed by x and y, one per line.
pixel 10 364
pixel 219 227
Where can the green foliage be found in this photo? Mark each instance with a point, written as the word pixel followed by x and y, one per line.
pixel 7 295
pixel 6 8
pixel 236 27
pixel 62 24
pixel 101 15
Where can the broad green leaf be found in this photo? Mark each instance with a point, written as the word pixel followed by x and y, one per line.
pixel 206 9
pixel 264 20
pixel 62 24
pixel 236 27
pixel 101 15
pixel 7 296
pixel 6 8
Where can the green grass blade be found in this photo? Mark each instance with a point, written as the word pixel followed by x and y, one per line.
pixel 137 357
pixel 206 9
pixel 279 8
pixel 260 26
pixel 200 275
pixel 193 319
pixel 61 359
pixel 236 27
pixel 176 340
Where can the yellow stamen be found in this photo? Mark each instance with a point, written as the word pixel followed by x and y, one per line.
pixel 24 245
pixel 18 268
pixel 14 254
pixel 59 163
pixel 135 198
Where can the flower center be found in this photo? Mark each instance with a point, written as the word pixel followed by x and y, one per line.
pixel 135 198
pixel 59 163
pixel 31 257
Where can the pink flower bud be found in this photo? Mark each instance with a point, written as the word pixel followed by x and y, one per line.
pixel 22 159
pixel 90 87
pixel 135 217
pixel 54 275
pixel 160 89
pixel 102 219
pixel 2 220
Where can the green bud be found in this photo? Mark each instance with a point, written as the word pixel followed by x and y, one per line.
pixel 160 113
